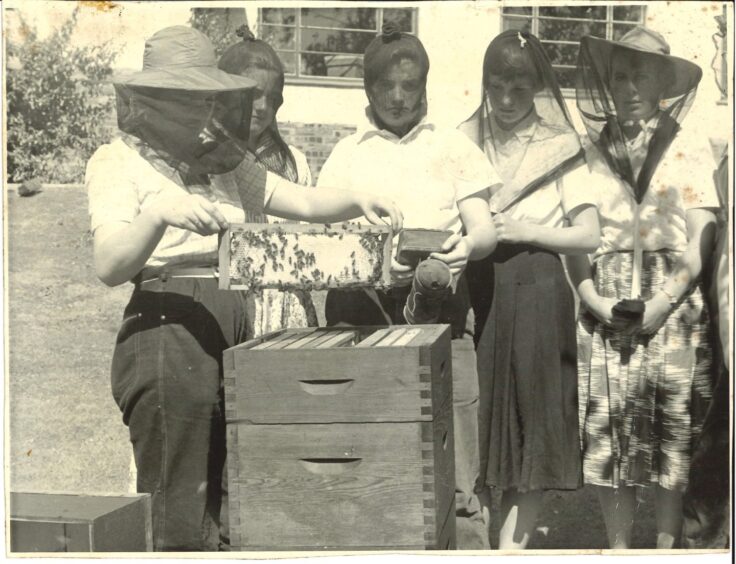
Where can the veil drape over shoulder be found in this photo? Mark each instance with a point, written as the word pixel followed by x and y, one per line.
pixel 554 146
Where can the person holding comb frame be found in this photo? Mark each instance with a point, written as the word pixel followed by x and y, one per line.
pixel 158 195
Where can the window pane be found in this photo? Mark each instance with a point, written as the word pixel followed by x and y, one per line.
pixel 570 30
pixel 285 16
pixel 523 11
pixel 561 54
pixel 584 12
pixel 399 16
pixel 522 24
pixel 346 66
pixel 565 77
pixel 289 61
pixel 627 13
pixel 356 18
pixel 620 29
pixel 278 37
pixel 335 40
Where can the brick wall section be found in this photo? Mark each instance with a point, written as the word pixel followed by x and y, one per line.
pixel 314 140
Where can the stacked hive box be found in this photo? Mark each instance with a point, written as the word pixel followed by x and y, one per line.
pixel 341 439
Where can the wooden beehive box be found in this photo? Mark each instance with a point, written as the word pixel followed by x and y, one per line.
pixel 341 438
pixel 52 522
pixel 304 256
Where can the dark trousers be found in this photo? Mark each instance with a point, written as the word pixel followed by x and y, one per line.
pixel 355 307
pixel 167 381
pixel 705 504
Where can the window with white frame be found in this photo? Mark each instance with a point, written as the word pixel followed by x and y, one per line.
pixel 560 28
pixel 327 44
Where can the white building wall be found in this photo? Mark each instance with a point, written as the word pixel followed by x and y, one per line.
pixel 456 35
pixel 688 27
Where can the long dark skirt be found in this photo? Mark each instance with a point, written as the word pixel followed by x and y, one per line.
pixel 528 422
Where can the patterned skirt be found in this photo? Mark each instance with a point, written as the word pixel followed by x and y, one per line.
pixel 272 309
pixel 642 398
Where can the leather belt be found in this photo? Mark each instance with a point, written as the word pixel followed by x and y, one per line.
pixel 163 274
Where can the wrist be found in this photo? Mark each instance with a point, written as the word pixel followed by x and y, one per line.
pixel 363 201
pixel 591 301
pixel 469 244
pixel 664 297
pixel 529 234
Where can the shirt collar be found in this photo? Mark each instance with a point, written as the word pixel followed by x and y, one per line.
pixel 647 129
pixel 368 128
pixel 522 131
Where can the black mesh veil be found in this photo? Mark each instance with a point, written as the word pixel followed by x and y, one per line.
pixel 196 132
pixel 548 101
pixel 554 147
pixel 239 59
pixel 678 79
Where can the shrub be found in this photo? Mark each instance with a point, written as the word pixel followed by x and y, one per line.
pixel 219 24
pixel 58 107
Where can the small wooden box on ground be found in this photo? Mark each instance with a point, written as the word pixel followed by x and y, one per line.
pixel 341 438
pixel 52 522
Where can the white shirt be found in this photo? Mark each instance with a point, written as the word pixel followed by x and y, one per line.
pixel 682 181
pixel 550 204
pixel 637 146
pixel 425 173
pixel 121 183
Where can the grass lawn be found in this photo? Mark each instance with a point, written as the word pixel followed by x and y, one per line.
pixel 66 433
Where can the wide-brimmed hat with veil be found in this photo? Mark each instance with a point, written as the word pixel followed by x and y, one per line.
pixel 182 58
pixel 646 41
pixel 180 106
pixel 679 79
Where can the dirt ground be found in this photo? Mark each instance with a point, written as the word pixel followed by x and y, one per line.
pixel 66 433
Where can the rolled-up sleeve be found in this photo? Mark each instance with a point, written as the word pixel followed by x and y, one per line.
pixel 468 166
pixel 695 175
pixel 111 190
pixel 579 187
pixel 334 173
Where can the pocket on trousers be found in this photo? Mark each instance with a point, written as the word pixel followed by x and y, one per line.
pixel 125 358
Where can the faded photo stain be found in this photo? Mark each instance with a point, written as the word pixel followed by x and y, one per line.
pixel 100 5
pixel 689 196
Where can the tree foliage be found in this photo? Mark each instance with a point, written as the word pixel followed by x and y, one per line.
pixel 58 107
pixel 219 24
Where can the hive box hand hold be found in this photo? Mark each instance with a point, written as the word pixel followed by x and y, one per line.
pixel 415 245
pixel 342 439
pixel 304 256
